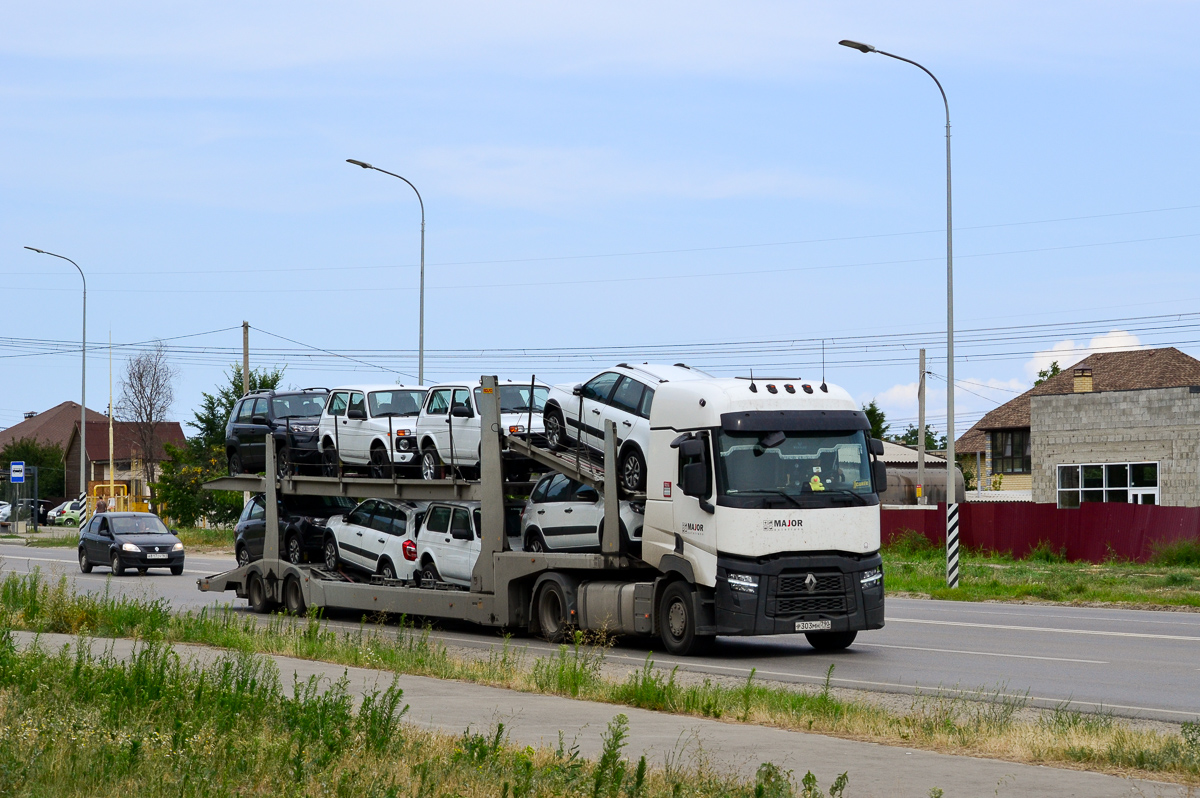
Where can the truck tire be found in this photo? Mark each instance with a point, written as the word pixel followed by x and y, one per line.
pixel 293 597
pixel 256 592
pixel 551 612
pixel 555 429
pixel 830 641
pixel 677 621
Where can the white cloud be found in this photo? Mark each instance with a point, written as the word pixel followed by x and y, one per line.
pixel 1068 353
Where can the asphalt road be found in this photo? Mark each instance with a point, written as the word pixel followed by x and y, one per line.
pixel 1131 662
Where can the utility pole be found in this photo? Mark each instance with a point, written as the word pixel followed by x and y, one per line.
pixel 245 358
pixel 921 498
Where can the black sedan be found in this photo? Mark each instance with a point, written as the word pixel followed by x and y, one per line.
pixel 129 540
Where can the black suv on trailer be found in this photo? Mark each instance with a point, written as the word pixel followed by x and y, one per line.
pixel 302 522
pixel 291 416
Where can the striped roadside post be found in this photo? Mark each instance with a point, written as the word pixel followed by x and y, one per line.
pixel 952 545
pixel 84 514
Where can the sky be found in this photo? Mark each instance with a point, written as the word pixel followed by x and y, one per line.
pixel 714 183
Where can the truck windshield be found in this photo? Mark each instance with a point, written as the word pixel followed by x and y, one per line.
pixel 803 469
pixel 515 398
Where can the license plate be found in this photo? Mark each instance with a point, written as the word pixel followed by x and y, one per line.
pixel 813 626
pixel 154 556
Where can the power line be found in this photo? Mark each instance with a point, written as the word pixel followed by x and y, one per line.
pixel 326 351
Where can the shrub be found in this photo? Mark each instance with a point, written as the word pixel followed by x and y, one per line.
pixel 1044 552
pixel 1176 552
pixel 911 544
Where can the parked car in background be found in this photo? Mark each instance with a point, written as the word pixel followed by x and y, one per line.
pixel 53 512
pixel 129 540
pixel 448 425
pixel 565 515
pixel 292 417
pixel 448 540
pixel 624 394
pixel 377 537
pixel 371 426
pixel 71 514
pixel 302 521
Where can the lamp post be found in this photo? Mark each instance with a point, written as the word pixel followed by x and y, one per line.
pixel 83 378
pixel 951 505
pixel 421 333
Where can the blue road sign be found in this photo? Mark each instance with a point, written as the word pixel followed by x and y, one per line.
pixel 16 472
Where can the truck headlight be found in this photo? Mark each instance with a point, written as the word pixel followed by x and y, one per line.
pixel 129 547
pixel 871 578
pixel 743 583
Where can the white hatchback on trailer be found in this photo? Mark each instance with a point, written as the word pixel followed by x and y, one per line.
pixel 377 536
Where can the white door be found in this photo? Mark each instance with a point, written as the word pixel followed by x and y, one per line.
pixel 550 514
pixel 353 534
pixel 465 430
pixel 623 409
pixel 434 537
pixel 433 420
pixel 355 431
pixel 459 559
pixel 596 393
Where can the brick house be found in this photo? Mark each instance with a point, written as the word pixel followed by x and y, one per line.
pixel 126 465
pixel 50 426
pixel 1117 426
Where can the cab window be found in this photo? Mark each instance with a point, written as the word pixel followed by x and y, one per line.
pixel 337 404
pixel 628 395
pixel 439 402
pixel 600 387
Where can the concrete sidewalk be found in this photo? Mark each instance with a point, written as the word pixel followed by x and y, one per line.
pixel 874 770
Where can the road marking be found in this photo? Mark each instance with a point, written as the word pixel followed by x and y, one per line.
pixel 1180 617
pixel 73 562
pixel 1143 635
pixel 983 653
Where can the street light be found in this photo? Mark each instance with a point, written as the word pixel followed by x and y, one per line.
pixel 421 334
pixel 951 506
pixel 83 389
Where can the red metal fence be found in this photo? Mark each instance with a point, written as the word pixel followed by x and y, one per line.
pixel 1093 532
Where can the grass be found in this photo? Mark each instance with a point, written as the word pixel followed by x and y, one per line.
pixel 984 724
pixel 192 538
pixel 85 724
pixel 914 565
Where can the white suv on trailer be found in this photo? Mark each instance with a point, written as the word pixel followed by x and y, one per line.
pixel 377 537
pixel 372 426
pixel 622 394
pixel 451 414
pixel 448 540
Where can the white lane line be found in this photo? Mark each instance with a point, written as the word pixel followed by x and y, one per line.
pixel 1055 630
pixel 80 575
pixel 1181 617
pixel 983 653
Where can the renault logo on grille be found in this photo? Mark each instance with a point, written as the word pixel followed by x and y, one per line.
pixel 810 582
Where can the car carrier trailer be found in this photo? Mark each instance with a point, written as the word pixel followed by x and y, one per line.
pixel 688 585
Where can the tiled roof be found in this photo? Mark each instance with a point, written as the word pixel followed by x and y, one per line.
pixel 1138 369
pixel 125 439
pixel 52 426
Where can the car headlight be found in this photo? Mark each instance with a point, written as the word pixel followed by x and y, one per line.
pixel 404 444
pixel 743 583
pixel 177 547
pixel 129 547
pixel 871 578
pixel 304 428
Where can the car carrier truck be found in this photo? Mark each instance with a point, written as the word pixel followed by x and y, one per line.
pixel 761 517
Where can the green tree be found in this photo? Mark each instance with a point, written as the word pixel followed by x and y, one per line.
pixel 1046 374
pixel 48 458
pixel 932 441
pixel 878 419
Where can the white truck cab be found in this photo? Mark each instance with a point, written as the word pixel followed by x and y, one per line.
pixel 763 494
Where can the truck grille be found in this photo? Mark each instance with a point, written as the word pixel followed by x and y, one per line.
pixel 801 606
pixel 826 583
pixel 792 596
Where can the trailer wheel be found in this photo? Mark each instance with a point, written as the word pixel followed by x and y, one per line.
pixel 552 612
pixel 677 621
pixel 256 592
pixel 293 596
pixel 830 641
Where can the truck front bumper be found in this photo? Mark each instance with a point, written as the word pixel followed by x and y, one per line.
pixel 793 593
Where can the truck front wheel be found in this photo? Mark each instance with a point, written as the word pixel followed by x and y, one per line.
pixel 830 641
pixel 677 621
pixel 552 612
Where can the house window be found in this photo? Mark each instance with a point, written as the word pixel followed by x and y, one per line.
pixel 1011 453
pixel 1135 483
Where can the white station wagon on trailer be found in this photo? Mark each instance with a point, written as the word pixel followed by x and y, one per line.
pixel 372 426
pixel 376 537
pixel 623 394
pixel 448 427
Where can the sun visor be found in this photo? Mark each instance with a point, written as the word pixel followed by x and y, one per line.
pixel 795 421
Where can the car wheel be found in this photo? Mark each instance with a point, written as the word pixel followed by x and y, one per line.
pixel 431 464
pixel 429 574
pixel 555 430
pixel 143 571
pixel 380 467
pixel 293 596
pixel 243 556
pixel 85 565
pixel 677 620
pixel 633 470
pixel 830 641
pixel 176 570
pixel 115 564
pixel 387 570
pixel 295 552
pixel 552 612
pixel 329 460
pixel 535 542
pixel 331 554
pixel 235 464
pixel 283 462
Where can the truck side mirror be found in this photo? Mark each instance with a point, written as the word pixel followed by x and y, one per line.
pixel 695 479
pixel 879 472
pixel 693 447
pixel 877 447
